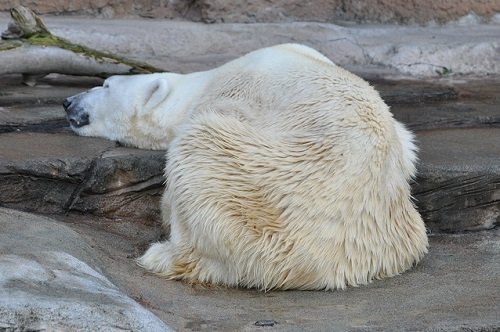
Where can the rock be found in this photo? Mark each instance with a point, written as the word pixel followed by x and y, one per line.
pixel 38 118
pixel 42 97
pixel 84 264
pixel 424 105
pixel 460 114
pixel 454 288
pixel 123 183
pixel 186 9
pixel 388 11
pixel 47 168
pixel 404 92
pixel 57 173
pixel 449 51
pixel 48 282
pixel 458 186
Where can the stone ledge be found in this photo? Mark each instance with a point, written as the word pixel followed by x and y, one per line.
pixel 45 168
pixel 457 189
pixel 458 183
pixel 58 173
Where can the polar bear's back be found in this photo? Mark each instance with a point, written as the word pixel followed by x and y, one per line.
pixel 293 93
pixel 279 53
pixel 294 90
pixel 290 82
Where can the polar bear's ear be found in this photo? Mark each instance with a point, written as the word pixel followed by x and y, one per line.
pixel 158 92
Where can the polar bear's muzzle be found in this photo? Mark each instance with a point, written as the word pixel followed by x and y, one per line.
pixel 75 114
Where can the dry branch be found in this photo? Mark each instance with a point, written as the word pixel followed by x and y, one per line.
pixel 27 47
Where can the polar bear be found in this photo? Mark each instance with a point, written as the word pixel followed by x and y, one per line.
pixel 284 171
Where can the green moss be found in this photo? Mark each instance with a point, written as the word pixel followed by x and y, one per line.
pixel 43 39
pixel 9 44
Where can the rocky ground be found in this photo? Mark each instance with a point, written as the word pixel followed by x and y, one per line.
pixel 73 267
pixel 247 11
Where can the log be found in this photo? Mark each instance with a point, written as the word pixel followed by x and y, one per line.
pixel 27 47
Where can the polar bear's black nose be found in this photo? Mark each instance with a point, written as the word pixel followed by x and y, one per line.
pixel 76 116
pixel 66 104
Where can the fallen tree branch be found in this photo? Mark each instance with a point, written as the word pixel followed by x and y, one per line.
pixel 27 47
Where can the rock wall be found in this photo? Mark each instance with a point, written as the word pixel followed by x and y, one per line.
pixel 248 11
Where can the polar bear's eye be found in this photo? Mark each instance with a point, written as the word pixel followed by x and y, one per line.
pixel 105 85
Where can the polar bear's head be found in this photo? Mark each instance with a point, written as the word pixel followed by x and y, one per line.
pixel 117 109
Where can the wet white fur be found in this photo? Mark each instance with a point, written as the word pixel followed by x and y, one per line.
pixel 283 171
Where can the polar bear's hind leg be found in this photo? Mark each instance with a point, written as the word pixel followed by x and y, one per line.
pixel 157 259
pixel 178 262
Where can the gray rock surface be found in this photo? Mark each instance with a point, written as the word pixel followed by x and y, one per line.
pixel 76 263
pixel 49 280
pixel 387 11
pixel 424 105
pixel 457 128
pixel 393 11
pixel 410 51
pixel 56 173
pixel 458 187
pixel 455 288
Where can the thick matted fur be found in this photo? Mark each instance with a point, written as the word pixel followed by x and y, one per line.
pixel 284 171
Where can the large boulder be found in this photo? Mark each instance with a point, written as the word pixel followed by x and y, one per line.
pixel 51 279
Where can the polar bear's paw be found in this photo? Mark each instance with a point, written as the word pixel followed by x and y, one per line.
pixel 157 259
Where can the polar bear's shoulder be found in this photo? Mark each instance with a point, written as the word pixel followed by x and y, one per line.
pixel 303 51
pixel 279 55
